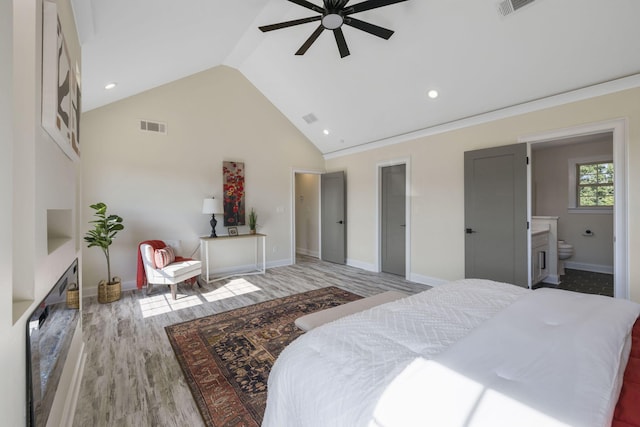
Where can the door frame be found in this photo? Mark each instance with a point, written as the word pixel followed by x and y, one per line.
pixel 293 209
pixel 400 161
pixel 619 129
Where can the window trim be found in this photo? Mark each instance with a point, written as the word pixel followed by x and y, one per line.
pixel 573 184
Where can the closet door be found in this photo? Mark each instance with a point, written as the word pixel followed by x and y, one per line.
pixel 333 217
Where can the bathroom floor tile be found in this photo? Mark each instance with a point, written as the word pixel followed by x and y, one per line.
pixel 583 281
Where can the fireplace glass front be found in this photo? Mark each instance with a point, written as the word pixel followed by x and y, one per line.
pixel 50 330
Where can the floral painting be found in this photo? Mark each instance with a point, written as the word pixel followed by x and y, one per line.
pixel 233 186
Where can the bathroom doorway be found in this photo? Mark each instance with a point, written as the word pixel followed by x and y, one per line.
pixel 595 235
pixel 582 234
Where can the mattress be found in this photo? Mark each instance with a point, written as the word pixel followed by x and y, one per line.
pixel 454 355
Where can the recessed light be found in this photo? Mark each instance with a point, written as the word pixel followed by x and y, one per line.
pixel 110 86
pixel 326 131
pixel 433 94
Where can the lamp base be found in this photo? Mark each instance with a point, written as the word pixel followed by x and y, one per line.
pixel 213 223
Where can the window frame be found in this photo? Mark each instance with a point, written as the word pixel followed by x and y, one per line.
pixel 573 184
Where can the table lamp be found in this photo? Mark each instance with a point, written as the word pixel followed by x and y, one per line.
pixel 212 207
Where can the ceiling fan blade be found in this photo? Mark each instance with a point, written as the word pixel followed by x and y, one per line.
pixel 342 43
pixel 286 24
pixel 303 49
pixel 308 5
pixel 369 28
pixel 368 5
pixel 335 4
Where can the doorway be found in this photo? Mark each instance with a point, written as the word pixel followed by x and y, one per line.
pixel 583 223
pixel 394 217
pixel 618 129
pixel 306 210
pixel 318 215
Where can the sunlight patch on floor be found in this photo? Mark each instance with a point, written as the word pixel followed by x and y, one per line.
pixel 234 288
pixel 159 304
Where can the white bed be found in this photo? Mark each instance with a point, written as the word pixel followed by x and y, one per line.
pixel 468 353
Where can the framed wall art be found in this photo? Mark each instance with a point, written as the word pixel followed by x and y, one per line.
pixel 60 85
pixel 233 187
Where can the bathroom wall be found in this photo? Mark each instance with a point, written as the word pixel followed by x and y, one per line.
pixel 550 172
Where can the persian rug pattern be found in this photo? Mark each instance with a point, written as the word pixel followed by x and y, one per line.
pixel 226 357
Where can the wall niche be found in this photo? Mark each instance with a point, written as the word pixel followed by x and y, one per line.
pixel 59 228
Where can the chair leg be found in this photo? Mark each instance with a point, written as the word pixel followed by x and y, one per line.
pixel 149 288
pixel 174 290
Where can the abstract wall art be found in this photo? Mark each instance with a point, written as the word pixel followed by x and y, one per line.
pixel 60 86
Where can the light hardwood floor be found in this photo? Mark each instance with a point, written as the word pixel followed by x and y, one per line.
pixel 132 378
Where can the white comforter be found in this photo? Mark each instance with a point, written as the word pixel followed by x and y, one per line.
pixel 469 353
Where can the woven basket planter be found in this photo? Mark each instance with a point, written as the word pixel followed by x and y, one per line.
pixel 109 292
pixel 73 298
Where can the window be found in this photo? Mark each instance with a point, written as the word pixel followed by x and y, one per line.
pixel 591 185
pixel 594 185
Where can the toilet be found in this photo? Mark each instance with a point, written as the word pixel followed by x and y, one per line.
pixel 565 251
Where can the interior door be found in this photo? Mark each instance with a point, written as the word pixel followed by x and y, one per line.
pixel 333 217
pixel 393 218
pixel 495 193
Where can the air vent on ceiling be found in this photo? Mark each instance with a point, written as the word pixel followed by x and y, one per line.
pixel 507 7
pixel 310 118
pixel 149 126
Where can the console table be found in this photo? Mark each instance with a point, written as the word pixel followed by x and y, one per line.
pixel 260 268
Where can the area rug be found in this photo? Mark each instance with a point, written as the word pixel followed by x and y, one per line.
pixel 226 357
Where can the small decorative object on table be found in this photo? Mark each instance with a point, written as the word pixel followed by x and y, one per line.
pixel 233 231
pixel 253 220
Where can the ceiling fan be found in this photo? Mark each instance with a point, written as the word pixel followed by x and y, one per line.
pixel 333 16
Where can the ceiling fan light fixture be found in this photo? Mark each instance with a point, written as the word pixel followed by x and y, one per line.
pixel 332 21
pixel 332 16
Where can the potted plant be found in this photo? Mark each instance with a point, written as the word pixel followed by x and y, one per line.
pixel 253 219
pixel 105 227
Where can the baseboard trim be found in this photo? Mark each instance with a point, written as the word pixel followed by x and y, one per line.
pixel 307 252
pixel 427 280
pixel 552 279
pixel 362 265
pixel 594 268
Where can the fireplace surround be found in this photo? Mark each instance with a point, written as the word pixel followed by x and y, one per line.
pixel 50 331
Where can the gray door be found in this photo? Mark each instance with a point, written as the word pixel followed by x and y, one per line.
pixel 393 227
pixel 333 217
pixel 495 195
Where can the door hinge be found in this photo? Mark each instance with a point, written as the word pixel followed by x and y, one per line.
pixel 527 159
pixel 527 225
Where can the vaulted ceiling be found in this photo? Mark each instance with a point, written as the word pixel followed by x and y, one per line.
pixel 476 58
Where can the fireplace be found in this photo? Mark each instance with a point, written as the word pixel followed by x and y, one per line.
pixel 50 330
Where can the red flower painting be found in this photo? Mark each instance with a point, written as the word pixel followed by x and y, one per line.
pixel 233 186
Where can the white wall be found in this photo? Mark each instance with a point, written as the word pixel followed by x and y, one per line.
pixel 307 204
pixel 37 176
pixel 551 179
pixel 437 183
pixel 12 402
pixel 157 182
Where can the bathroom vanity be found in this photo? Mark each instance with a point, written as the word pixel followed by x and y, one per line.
pixel 539 254
pixel 544 250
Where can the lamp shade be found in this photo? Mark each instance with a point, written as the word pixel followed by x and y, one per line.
pixel 211 206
